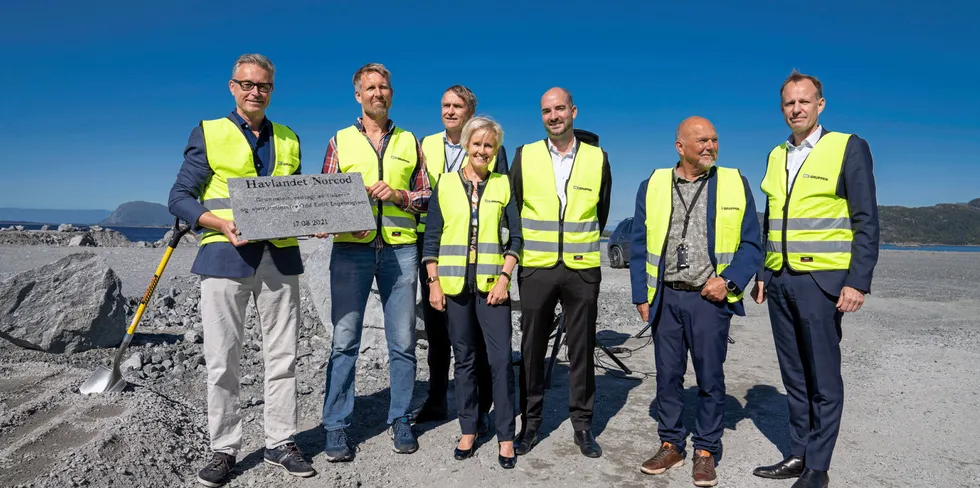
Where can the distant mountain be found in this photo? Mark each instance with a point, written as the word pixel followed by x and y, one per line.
pixel 947 224
pixel 52 216
pixel 139 214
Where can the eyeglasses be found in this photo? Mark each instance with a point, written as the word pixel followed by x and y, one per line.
pixel 248 85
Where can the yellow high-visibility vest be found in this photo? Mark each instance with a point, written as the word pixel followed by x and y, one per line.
pixel 434 149
pixel 454 245
pixel 814 232
pixel 230 156
pixel 549 235
pixel 356 153
pixel 729 212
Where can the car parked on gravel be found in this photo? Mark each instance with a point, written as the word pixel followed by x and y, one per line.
pixel 619 244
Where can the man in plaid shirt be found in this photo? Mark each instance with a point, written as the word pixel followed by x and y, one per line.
pixel 391 162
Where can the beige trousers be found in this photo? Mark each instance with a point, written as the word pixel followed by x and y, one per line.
pixel 223 302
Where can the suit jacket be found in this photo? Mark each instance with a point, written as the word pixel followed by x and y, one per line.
pixel 744 265
pixel 857 185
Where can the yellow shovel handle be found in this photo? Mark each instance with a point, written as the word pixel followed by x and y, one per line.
pixel 149 290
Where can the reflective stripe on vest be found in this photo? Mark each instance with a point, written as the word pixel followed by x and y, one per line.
pixel 815 232
pixel 729 212
pixel 434 150
pixel 230 156
pixel 356 153
pixel 545 230
pixel 454 202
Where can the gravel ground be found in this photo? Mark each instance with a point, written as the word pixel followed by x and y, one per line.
pixel 910 367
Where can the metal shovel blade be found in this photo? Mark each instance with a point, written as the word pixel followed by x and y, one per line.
pixel 103 380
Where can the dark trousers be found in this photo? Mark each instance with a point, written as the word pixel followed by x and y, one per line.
pixel 472 322
pixel 686 322
pixel 578 290
pixel 440 350
pixel 806 328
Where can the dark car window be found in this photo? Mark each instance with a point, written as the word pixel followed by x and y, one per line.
pixel 623 227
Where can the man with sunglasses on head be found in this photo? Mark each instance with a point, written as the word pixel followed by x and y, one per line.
pixel 243 144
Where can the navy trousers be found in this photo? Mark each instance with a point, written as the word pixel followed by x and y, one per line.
pixel 439 354
pixel 806 327
pixel 472 323
pixel 686 322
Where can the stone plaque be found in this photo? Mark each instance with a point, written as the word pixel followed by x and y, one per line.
pixel 271 207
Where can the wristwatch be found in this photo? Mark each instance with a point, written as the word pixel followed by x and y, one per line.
pixel 732 287
pixel 432 279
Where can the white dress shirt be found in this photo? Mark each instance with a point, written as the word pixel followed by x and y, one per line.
pixel 795 155
pixel 563 169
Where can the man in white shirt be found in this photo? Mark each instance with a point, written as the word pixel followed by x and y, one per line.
pixel 562 187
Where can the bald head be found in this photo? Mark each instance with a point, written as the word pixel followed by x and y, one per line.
pixel 558 113
pixel 697 143
pixel 559 93
pixel 691 124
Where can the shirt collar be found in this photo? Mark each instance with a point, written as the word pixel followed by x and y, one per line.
pixel 360 126
pixel 706 174
pixel 554 150
pixel 810 141
pixel 244 123
pixel 449 143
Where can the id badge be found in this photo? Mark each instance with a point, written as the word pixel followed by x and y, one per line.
pixel 682 256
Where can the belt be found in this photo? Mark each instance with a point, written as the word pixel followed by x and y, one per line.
pixel 680 285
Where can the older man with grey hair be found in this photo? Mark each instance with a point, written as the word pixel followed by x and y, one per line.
pixel 243 144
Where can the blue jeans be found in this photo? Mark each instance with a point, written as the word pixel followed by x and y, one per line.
pixel 353 267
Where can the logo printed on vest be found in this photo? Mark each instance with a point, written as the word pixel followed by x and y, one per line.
pixel 576 187
pixel 806 259
pixel 396 233
pixel 816 177
pixel 578 257
pixel 731 208
pixel 498 202
pixel 400 159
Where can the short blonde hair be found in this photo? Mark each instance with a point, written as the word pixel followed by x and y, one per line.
pixel 370 68
pixel 477 124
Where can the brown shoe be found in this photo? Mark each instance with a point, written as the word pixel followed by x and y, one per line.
pixel 666 457
pixel 704 469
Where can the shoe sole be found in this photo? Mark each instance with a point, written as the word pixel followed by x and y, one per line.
pixel 339 459
pixel 771 477
pixel 713 482
pixel 208 483
pixel 404 452
pixel 301 474
pixel 663 470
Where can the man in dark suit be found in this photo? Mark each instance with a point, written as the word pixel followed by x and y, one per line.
pixel 821 232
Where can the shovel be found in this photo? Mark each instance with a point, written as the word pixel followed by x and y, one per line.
pixel 105 380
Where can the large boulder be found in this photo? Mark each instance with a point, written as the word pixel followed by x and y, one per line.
pixel 70 305
pixel 82 240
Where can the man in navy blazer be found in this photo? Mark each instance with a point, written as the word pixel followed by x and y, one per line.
pixel 821 228
pixel 703 241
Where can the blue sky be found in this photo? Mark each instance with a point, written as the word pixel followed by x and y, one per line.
pixel 100 96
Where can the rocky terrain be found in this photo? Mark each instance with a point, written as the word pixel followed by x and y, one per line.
pixel 911 357
pixel 72 236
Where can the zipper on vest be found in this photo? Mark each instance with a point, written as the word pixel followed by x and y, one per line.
pixel 786 207
pixel 561 211
pixel 380 178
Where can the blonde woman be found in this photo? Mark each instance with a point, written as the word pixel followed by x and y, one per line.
pixel 470 272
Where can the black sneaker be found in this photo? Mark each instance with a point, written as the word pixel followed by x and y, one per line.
pixel 403 436
pixel 337 446
pixel 288 457
pixel 215 473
